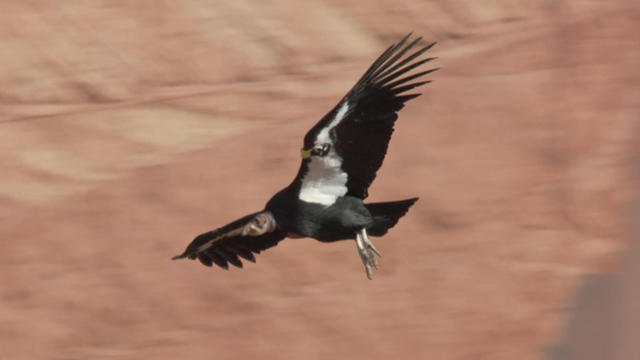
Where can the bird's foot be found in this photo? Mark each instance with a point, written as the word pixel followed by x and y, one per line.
pixel 366 250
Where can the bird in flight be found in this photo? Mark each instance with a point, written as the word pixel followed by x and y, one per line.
pixel 340 157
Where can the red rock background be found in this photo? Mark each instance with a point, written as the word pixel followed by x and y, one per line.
pixel 126 128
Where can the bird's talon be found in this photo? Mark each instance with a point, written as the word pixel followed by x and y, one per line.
pixel 369 274
pixel 375 250
pixel 366 255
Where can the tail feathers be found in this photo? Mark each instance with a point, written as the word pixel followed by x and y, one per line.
pixel 386 215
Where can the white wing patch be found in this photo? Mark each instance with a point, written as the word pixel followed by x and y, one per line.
pixel 323 135
pixel 325 181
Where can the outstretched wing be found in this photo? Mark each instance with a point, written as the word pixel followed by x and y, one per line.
pixel 239 239
pixel 345 149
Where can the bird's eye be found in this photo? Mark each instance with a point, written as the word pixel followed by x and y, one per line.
pixel 321 149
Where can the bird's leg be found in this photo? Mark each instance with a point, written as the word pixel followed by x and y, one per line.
pixel 369 244
pixel 364 254
pixel 366 251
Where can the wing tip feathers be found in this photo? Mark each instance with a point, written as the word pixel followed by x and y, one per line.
pixel 178 257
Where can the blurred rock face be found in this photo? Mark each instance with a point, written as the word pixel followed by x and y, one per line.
pixel 126 129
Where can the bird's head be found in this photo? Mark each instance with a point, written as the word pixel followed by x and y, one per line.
pixel 261 224
pixel 316 150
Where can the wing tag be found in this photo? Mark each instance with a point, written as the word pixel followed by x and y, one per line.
pixel 305 153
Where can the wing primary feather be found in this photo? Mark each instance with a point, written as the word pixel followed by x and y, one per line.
pixel 381 59
pixel 204 259
pixel 392 85
pixel 396 57
pixel 402 71
pixel 405 98
pixel 219 260
pixel 229 256
pixel 369 74
pixel 408 87
pixel 408 59
pixel 247 255
pixel 243 253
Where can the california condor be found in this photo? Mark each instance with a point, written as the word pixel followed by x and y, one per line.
pixel 340 158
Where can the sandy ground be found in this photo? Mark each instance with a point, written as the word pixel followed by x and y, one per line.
pixel 125 130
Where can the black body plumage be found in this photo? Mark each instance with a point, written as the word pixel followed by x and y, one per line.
pixel 341 156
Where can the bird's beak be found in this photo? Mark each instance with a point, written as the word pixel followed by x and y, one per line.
pixel 305 153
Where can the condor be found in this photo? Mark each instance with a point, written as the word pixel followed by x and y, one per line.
pixel 340 157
